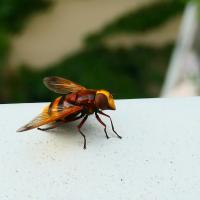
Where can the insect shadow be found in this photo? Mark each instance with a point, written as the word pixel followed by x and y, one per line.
pixel 69 131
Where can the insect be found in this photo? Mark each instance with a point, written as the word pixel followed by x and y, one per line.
pixel 76 102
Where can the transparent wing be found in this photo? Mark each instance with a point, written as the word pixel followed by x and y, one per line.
pixel 61 85
pixel 45 117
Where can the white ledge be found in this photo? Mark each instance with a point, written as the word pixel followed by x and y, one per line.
pixel 158 157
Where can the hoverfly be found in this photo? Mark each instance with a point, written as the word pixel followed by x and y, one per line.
pixel 76 102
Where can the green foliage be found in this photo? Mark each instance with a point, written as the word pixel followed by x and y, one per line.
pixel 187 1
pixel 13 16
pixel 4 46
pixel 197 2
pixel 14 13
pixel 128 73
pixel 136 72
pixel 143 19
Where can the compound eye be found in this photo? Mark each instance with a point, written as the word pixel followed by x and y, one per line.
pixel 101 101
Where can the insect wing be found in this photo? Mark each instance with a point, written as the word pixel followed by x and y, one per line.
pixel 45 117
pixel 61 85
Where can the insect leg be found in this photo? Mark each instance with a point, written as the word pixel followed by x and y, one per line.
pixel 100 112
pixel 98 118
pixel 79 129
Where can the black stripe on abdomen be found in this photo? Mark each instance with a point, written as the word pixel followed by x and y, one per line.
pixel 50 106
pixel 60 104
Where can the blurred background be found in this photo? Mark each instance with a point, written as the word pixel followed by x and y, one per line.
pixel 134 48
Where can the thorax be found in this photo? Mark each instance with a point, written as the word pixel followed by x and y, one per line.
pixel 83 98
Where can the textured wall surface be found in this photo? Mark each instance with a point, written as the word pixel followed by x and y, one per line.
pixel 158 157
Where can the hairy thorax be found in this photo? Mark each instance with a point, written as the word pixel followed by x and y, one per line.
pixel 85 99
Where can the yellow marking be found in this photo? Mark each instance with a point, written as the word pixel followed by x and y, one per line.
pixel 55 104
